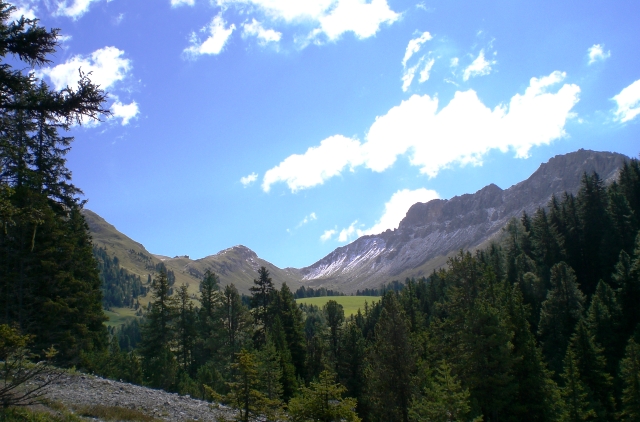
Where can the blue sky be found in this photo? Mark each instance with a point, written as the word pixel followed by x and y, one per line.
pixel 294 126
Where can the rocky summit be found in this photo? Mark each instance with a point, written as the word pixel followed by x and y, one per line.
pixel 434 230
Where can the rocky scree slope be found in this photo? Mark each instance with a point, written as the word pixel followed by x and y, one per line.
pixel 431 231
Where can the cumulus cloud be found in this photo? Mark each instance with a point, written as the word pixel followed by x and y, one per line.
pixel 479 67
pixel 329 17
pixel 106 65
pixel 247 180
pixel 126 112
pixel 328 234
pixel 414 46
pixel 628 101
pixel 317 164
pixel 357 16
pixel 461 132
pixel 176 3
pixel 214 44
pixel 396 208
pixel 264 36
pixel 74 9
pixel 596 53
pixel 351 232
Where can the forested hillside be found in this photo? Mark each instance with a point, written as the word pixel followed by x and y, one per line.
pixel 542 326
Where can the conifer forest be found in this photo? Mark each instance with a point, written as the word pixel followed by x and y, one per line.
pixel 542 325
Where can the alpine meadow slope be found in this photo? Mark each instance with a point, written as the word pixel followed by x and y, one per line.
pixel 425 238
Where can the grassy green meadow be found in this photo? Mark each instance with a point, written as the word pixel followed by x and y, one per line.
pixel 351 304
pixel 119 316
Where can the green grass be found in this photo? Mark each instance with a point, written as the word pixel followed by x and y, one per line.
pixel 351 304
pixel 119 316
pixel 112 413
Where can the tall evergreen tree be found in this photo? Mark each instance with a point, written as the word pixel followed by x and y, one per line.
pixel 592 367
pixel 560 313
pixel 158 337
pixel 630 374
pixel 261 293
pixel 392 364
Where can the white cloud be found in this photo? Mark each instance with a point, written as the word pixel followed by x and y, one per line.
pixel 264 36
pixel 23 8
pixel 177 3
pixel 328 234
pixel 362 18
pixel 288 10
pixel 479 67
pixel 396 208
pixel 628 101
pixel 307 219
pixel 75 10
pixel 316 165
pixel 329 17
pixel 414 46
pixel 408 76
pixel 218 36
pixel 424 73
pixel 462 132
pixel 247 180
pixel 455 61
pixel 106 65
pixel 596 53
pixel 350 232
pixel 126 112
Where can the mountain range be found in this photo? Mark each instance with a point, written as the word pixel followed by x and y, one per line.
pixel 428 234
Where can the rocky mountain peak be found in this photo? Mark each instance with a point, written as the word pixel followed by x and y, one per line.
pixel 432 230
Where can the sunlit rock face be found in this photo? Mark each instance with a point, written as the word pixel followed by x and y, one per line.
pixel 431 231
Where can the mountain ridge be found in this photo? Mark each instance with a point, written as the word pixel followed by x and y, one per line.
pixel 425 237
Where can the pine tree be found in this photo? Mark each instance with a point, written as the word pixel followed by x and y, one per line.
pixel 244 392
pixel 444 400
pixel 334 315
pixel 538 396
pixel 592 366
pixel 559 315
pixel 261 294
pixel 49 285
pixel 604 319
pixel 235 320
pixel 158 337
pixel 630 374
pixel 185 328
pixel 392 364
pixel 352 364
pixel 209 325
pixel 574 392
pixel 322 402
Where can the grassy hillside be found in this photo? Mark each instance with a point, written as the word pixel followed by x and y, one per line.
pixel 238 265
pixel 351 304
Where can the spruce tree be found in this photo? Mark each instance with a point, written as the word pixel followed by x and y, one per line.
pixel 575 392
pixel 322 401
pixel 559 315
pixel 159 363
pixel 444 400
pixel 592 368
pixel 392 364
pixel 630 374
pixel 261 294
